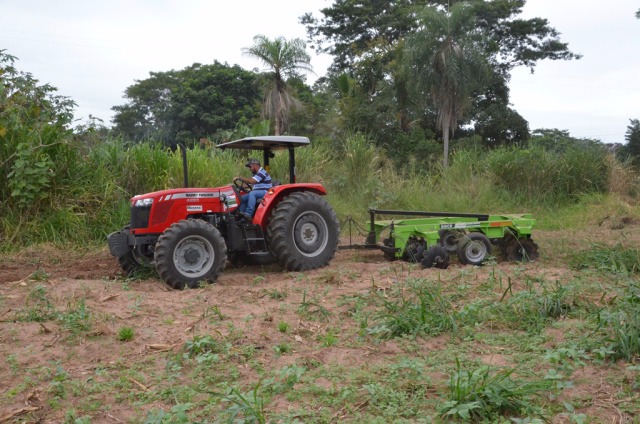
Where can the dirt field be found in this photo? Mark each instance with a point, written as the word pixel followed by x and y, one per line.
pixel 65 357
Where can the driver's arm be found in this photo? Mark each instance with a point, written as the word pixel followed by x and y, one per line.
pixel 249 181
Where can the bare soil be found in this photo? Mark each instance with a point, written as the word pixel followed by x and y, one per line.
pixel 164 319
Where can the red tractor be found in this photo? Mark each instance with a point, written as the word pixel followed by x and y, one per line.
pixel 189 233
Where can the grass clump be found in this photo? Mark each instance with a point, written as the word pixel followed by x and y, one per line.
pixel 618 326
pixel 37 308
pixel 76 318
pixel 617 259
pixel 312 309
pixel 125 334
pixel 421 310
pixel 203 345
pixel 246 407
pixel 530 310
pixel 480 394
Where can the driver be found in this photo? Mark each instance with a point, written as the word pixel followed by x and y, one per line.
pixel 260 183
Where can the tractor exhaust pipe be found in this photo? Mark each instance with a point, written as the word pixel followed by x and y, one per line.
pixel 185 171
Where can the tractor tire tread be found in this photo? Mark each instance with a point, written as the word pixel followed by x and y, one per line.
pixel 164 253
pixel 280 244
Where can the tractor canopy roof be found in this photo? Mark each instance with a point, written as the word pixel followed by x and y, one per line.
pixel 267 142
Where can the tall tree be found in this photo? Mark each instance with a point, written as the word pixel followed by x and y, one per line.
pixel 354 30
pixel 284 59
pixel 447 61
pixel 365 38
pixel 185 105
pixel 632 137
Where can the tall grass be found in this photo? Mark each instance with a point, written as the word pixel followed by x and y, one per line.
pixel 87 194
pixel 550 176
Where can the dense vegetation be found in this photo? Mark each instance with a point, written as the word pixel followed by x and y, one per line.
pixel 378 134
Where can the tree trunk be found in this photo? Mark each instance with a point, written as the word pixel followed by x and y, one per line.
pixel 278 128
pixel 445 138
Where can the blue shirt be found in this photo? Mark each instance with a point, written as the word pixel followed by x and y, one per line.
pixel 262 179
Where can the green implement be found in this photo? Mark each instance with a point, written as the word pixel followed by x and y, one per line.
pixel 430 237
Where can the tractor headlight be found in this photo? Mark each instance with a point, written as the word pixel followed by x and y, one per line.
pixel 144 203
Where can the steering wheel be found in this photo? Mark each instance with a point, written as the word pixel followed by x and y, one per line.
pixel 241 185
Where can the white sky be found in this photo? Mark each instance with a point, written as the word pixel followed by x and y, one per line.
pixel 91 50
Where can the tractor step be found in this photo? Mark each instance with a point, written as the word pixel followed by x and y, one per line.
pixel 254 238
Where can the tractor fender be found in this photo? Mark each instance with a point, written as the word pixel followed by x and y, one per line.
pixel 276 194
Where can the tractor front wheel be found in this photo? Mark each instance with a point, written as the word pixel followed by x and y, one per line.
pixel 188 252
pixel 134 260
pixel 303 231
pixel 137 257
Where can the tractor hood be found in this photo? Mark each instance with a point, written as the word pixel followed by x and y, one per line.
pixel 179 193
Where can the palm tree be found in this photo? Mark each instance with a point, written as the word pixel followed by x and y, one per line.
pixel 445 57
pixel 284 59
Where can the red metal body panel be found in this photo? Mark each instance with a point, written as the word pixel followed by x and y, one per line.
pixel 276 194
pixel 171 206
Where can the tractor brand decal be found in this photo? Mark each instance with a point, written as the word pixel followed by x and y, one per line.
pixel 460 225
pixel 195 195
pixel 194 208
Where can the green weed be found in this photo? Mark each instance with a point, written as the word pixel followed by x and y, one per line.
pixel 617 259
pixel 77 318
pixel 14 365
pixel 620 331
pixel 177 415
pixel 39 275
pixel 204 344
pixel 276 294
pixel 531 309
pixel 420 310
pixel 312 310
pixel 567 358
pixel 125 334
pixel 480 394
pixel 282 348
pixel 329 338
pixel 248 407
pixel 283 327
pixel 37 308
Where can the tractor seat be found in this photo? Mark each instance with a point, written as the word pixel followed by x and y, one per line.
pixel 275 183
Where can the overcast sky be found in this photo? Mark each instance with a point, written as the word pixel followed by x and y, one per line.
pixel 92 50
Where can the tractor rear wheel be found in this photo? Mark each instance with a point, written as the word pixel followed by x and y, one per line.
pixel 474 248
pixel 188 252
pixel 303 231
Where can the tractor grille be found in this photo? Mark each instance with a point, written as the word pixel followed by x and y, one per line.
pixel 140 216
